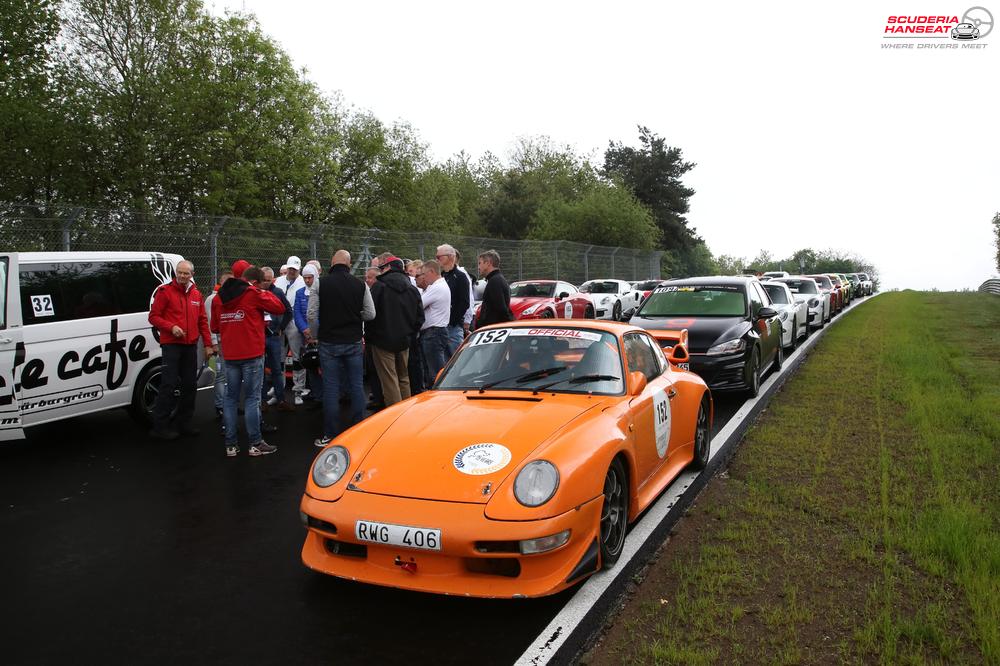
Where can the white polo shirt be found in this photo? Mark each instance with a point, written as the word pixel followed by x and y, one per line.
pixel 437 304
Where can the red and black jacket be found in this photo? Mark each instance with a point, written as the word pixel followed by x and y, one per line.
pixel 174 305
pixel 238 318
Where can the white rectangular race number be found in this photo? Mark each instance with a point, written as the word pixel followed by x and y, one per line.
pixel 422 538
pixel 41 306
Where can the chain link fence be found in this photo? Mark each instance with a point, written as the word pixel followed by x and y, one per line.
pixel 213 243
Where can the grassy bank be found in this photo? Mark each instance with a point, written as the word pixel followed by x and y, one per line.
pixel 858 521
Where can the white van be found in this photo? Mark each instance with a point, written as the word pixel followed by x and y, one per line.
pixel 75 336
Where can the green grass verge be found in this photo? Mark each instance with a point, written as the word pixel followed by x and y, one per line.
pixel 858 521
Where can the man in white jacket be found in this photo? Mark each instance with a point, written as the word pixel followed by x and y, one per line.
pixel 291 282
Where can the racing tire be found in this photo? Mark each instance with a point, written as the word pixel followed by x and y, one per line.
pixel 779 358
pixel 795 334
pixel 616 311
pixel 548 314
pixel 589 313
pixel 702 438
pixel 147 387
pixel 753 374
pixel 613 523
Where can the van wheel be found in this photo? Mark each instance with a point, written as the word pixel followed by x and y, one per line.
pixel 147 387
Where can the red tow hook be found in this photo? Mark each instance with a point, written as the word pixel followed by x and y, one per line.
pixel 410 566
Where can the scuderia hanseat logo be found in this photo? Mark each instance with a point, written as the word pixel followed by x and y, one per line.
pixel 972 26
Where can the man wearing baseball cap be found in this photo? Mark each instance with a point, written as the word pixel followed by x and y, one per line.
pixel 291 283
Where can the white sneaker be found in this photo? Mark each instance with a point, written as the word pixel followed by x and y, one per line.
pixel 270 392
pixel 272 401
pixel 304 392
pixel 299 400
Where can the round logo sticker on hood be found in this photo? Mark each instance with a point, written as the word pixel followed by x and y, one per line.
pixel 480 459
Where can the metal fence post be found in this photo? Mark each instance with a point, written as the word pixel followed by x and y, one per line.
pixel 613 273
pixel 586 263
pixel 214 239
pixel 66 225
pixel 520 264
pixel 558 243
pixel 314 242
pixel 654 264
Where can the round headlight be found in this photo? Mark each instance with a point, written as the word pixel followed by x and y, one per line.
pixel 536 483
pixel 330 466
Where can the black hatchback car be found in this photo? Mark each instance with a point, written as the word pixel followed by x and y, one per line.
pixel 734 335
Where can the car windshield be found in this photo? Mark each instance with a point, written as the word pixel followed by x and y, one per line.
pixel 573 360
pixel 695 300
pixel 648 285
pixel 823 281
pixel 532 289
pixel 802 286
pixel 599 287
pixel 776 293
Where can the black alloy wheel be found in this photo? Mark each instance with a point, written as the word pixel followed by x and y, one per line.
pixel 616 311
pixel 702 439
pixel 753 373
pixel 779 357
pixel 614 514
pixel 795 334
pixel 547 314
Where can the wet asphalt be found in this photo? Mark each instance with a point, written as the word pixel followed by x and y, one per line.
pixel 118 549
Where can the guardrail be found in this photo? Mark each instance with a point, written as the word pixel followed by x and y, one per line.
pixel 991 286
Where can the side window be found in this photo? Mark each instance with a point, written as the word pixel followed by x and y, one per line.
pixel 564 287
pixel 639 354
pixel 3 293
pixel 755 301
pixel 82 290
pixel 657 351
pixel 764 298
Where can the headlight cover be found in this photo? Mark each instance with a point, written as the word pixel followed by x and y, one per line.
pixel 730 347
pixel 532 309
pixel 536 483
pixel 330 466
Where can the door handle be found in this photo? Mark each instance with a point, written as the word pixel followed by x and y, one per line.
pixel 671 392
pixel 6 341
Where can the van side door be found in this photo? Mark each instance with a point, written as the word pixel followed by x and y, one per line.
pixel 11 348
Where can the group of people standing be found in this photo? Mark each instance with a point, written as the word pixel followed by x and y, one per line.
pixel 403 322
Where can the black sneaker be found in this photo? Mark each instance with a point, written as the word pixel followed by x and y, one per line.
pixel 262 448
pixel 165 435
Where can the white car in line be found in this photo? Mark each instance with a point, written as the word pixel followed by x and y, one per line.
pixel 794 315
pixel 611 297
pixel 807 290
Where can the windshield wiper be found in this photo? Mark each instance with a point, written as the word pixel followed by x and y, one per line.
pixel 527 377
pixel 582 379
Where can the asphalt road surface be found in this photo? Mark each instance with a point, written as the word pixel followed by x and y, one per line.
pixel 122 550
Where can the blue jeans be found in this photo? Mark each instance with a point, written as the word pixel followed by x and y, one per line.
pixel 274 359
pixel 341 362
pixel 456 335
pixel 435 343
pixel 248 374
pixel 220 380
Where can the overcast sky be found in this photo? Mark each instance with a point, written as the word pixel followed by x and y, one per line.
pixel 805 130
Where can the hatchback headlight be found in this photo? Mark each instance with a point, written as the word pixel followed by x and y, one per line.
pixel 730 347
pixel 536 483
pixel 330 466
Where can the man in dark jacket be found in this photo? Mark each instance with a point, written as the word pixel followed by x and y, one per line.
pixel 399 313
pixel 336 312
pixel 274 348
pixel 458 284
pixel 240 325
pixel 178 315
pixel 496 297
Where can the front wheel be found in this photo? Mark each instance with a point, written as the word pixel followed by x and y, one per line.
pixel 779 356
pixel 614 514
pixel 616 311
pixel 547 314
pixel 702 439
pixel 753 374
pixel 589 313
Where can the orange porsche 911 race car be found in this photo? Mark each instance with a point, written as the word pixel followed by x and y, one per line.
pixel 518 473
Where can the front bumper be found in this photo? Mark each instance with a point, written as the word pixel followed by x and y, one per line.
pixel 816 316
pixel 721 373
pixel 461 567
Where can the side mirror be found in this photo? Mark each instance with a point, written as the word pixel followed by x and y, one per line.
pixel 628 314
pixel 678 354
pixel 563 294
pixel 637 381
pixel 766 313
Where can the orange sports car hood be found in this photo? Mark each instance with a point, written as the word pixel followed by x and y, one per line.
pixel 449 445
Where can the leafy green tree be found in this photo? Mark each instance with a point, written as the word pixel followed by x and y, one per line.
pixel 729 265
pixel 606 214
pixel 654 173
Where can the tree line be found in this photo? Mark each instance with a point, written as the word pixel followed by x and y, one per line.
pixel 158 106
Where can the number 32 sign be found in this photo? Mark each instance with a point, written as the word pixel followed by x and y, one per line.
pixel 42 306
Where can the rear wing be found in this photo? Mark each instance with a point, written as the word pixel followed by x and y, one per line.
pixel 668 339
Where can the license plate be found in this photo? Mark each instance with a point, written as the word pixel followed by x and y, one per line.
pixel 422 538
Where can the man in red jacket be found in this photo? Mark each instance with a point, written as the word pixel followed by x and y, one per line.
pixel 238 318
pixel 178 315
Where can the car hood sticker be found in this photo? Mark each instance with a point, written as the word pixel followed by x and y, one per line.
pixel 480 459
